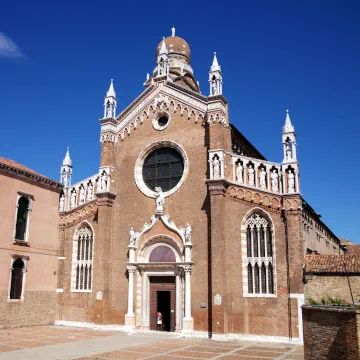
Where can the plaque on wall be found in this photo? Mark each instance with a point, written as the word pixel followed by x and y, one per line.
pixel 217 299
pixel 99 295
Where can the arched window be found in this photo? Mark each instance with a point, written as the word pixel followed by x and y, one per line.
pixel 259 243
pixel 17 272
pixel 83 260
pixel 22 218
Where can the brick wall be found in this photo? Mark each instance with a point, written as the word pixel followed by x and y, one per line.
pixel 331 333
pixel 333 285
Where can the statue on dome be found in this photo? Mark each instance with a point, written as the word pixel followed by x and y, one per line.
pixel 216 167
pixel 274 181
pixel 239 173
pixel 251 174
pixel 173 31
pixel 263 179
pixel 160 200
pixel 291 182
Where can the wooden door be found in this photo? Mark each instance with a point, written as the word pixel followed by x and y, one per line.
pixel 160 284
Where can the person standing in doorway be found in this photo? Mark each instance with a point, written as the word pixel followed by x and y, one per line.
pixel 159 320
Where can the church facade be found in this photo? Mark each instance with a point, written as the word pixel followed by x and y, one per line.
pixel 186 217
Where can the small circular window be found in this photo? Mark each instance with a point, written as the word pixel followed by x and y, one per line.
pixel 163 167
pixel 161 121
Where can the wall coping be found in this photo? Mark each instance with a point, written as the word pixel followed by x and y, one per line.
pixel 331 308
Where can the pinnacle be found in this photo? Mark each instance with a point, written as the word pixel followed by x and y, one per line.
pixel 111 91
pixel 215 65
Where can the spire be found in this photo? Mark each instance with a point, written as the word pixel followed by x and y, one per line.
pixel 215 65
pixel 288 127
pixel 66 169
pixel 163 49
pixel 67 160
pixel 110 102
pixel 111 91
pixel 215 78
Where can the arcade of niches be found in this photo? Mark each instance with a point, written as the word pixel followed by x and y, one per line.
pixel 185 217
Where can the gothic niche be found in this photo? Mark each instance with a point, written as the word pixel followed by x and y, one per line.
pixel 216 167
pixel 239 172
pixel 290 180
pixel 251 174
pixel 274 176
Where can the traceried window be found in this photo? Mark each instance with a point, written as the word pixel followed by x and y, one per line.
pixel 164 167
pixel 259 250
pixel 17 277
pixel 83 260
pixel 22 215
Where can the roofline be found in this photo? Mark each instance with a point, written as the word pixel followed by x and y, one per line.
pixel 261 156
pixel 312 211
pixel 36 178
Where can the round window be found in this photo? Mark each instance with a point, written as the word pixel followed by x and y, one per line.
pixel 162 121
pixel 163 167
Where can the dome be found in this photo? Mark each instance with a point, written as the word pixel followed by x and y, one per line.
pixel 176 45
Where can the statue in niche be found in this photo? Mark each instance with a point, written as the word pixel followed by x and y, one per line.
pixel 162 67
pixel 251 174
pixel 132 237
pixel 73 199
pixel 274 181
pixel 187 233
pixel 62 203
pixel 104 181
pixel 239 173
pixel 98 184
pixel 288 151
pixel 291 182
pixel 160 200
pixel 65 178
pixel 109 109
pixel 90 191
pixel 216 167
pixel 262 179
pixel 82 195
pixel 214 88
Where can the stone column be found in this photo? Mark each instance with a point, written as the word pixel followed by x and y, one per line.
pixel 130 316
pixel 188 322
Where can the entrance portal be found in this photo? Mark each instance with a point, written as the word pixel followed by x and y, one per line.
pixel 162 299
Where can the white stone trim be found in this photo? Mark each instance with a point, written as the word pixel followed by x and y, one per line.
pixel 300 303
pixel 75 262
pixel 24 260
pixel 138 171
pixel 59 290
pixel 245 258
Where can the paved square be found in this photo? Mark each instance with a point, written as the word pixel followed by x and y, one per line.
pixel 58 343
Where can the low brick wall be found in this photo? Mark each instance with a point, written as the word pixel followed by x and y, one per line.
pixel 331 333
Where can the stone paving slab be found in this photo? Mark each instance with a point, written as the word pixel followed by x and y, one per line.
pixel 63 343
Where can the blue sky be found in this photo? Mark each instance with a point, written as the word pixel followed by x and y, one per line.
pixel 57 58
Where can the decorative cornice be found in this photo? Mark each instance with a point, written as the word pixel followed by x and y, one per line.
pixel 78 214
pixel 36 178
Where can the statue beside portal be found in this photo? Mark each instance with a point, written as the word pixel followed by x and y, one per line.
pixel 90 191
pixel 291 182
pixel 62 203
pixel 239 173
pixel 104 178
pixel 132 237
pixel 263 179
pixel 275 181
pixel 160 200
pixel 187 233
pixel 251 174
pixel 216 167
pixel 73 199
